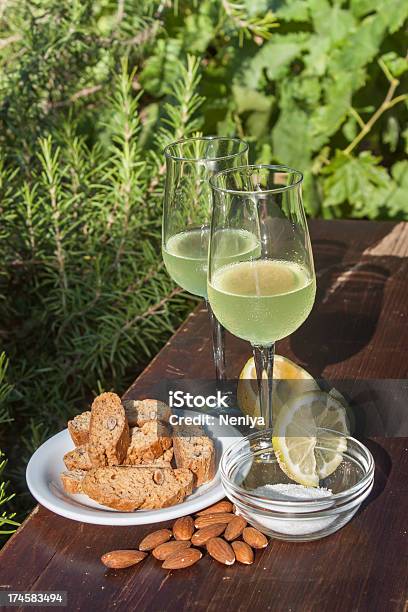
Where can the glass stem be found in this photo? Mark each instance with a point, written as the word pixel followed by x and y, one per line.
pixel 218 338
pixel 263 357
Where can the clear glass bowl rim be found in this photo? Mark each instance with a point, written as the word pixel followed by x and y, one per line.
pixel 336 498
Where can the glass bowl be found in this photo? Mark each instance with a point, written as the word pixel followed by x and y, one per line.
pixel 250 463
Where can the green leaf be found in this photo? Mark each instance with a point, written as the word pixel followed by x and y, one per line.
pixel 359 181
pixel 391 133
pixel 405 137
pixel 279 56
pixel 349 129
pixel 257 124
pixel 329 116
pixel 397 200
pixel 394 12
pixel 291 143
pixel 318 57
pixel 295 10
pixel 360 8
pixel 399 173
pixel 396 64
pixel 274 57
pixel 251 100
pixel 307 90
pixel 258 105
pixel 358 50
pixel 332 22
pixel 161 67
pixel 198 32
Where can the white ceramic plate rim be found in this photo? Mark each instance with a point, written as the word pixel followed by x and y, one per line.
pixel 46 464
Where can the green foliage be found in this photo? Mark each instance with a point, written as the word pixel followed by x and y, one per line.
pixel 247 25
pixel 354 180
pixel 323 80
pixel 88 299
pixel 8 523
pixel 90 93
pixel 5 389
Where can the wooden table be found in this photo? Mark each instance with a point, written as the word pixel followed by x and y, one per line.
pixel 358 329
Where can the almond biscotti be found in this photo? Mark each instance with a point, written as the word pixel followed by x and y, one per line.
pixel 72 481
pixel 108 431
pixel 195 451
pixel 163 461
pixel 148 443
pixel 78 459
pixel 139 412
pixel 128 488
pixel 79 428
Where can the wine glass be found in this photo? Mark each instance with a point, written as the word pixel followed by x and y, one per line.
pixel 266 294
pixel 187 214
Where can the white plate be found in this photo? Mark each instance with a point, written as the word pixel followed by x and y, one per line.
pixel 46 465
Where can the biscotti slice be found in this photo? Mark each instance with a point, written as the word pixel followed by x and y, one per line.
pixel 78 459
pixel 138 412
pixel 72 481
pixel 195 451
pixel 129 488
pixel 79 428
pixel 108 431
pixel 148 442
pixel 163 461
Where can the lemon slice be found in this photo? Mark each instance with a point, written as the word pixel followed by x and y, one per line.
pixel 304 452
pixel 350 413
pixel 285 372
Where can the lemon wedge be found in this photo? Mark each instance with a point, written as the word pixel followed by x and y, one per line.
pixel 285 372
pixel 304 452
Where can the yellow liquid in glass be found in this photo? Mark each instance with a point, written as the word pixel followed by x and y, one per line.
pixel 185 255
pixel 263 300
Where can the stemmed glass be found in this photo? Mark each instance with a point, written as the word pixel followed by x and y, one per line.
pixel 187 214
pixel 267 294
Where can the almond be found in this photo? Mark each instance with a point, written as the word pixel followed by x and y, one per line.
pixel 235 528
pixel 222 506
pixel 201 537
pixel 154 539
pixel 243 552
pixel 211 519
pixel 221 551
pixel 182 559
pixel 111 423
pixel 254 538
pixel 163 551
pixel 119 559
pixel 158 477
pixel 183 528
